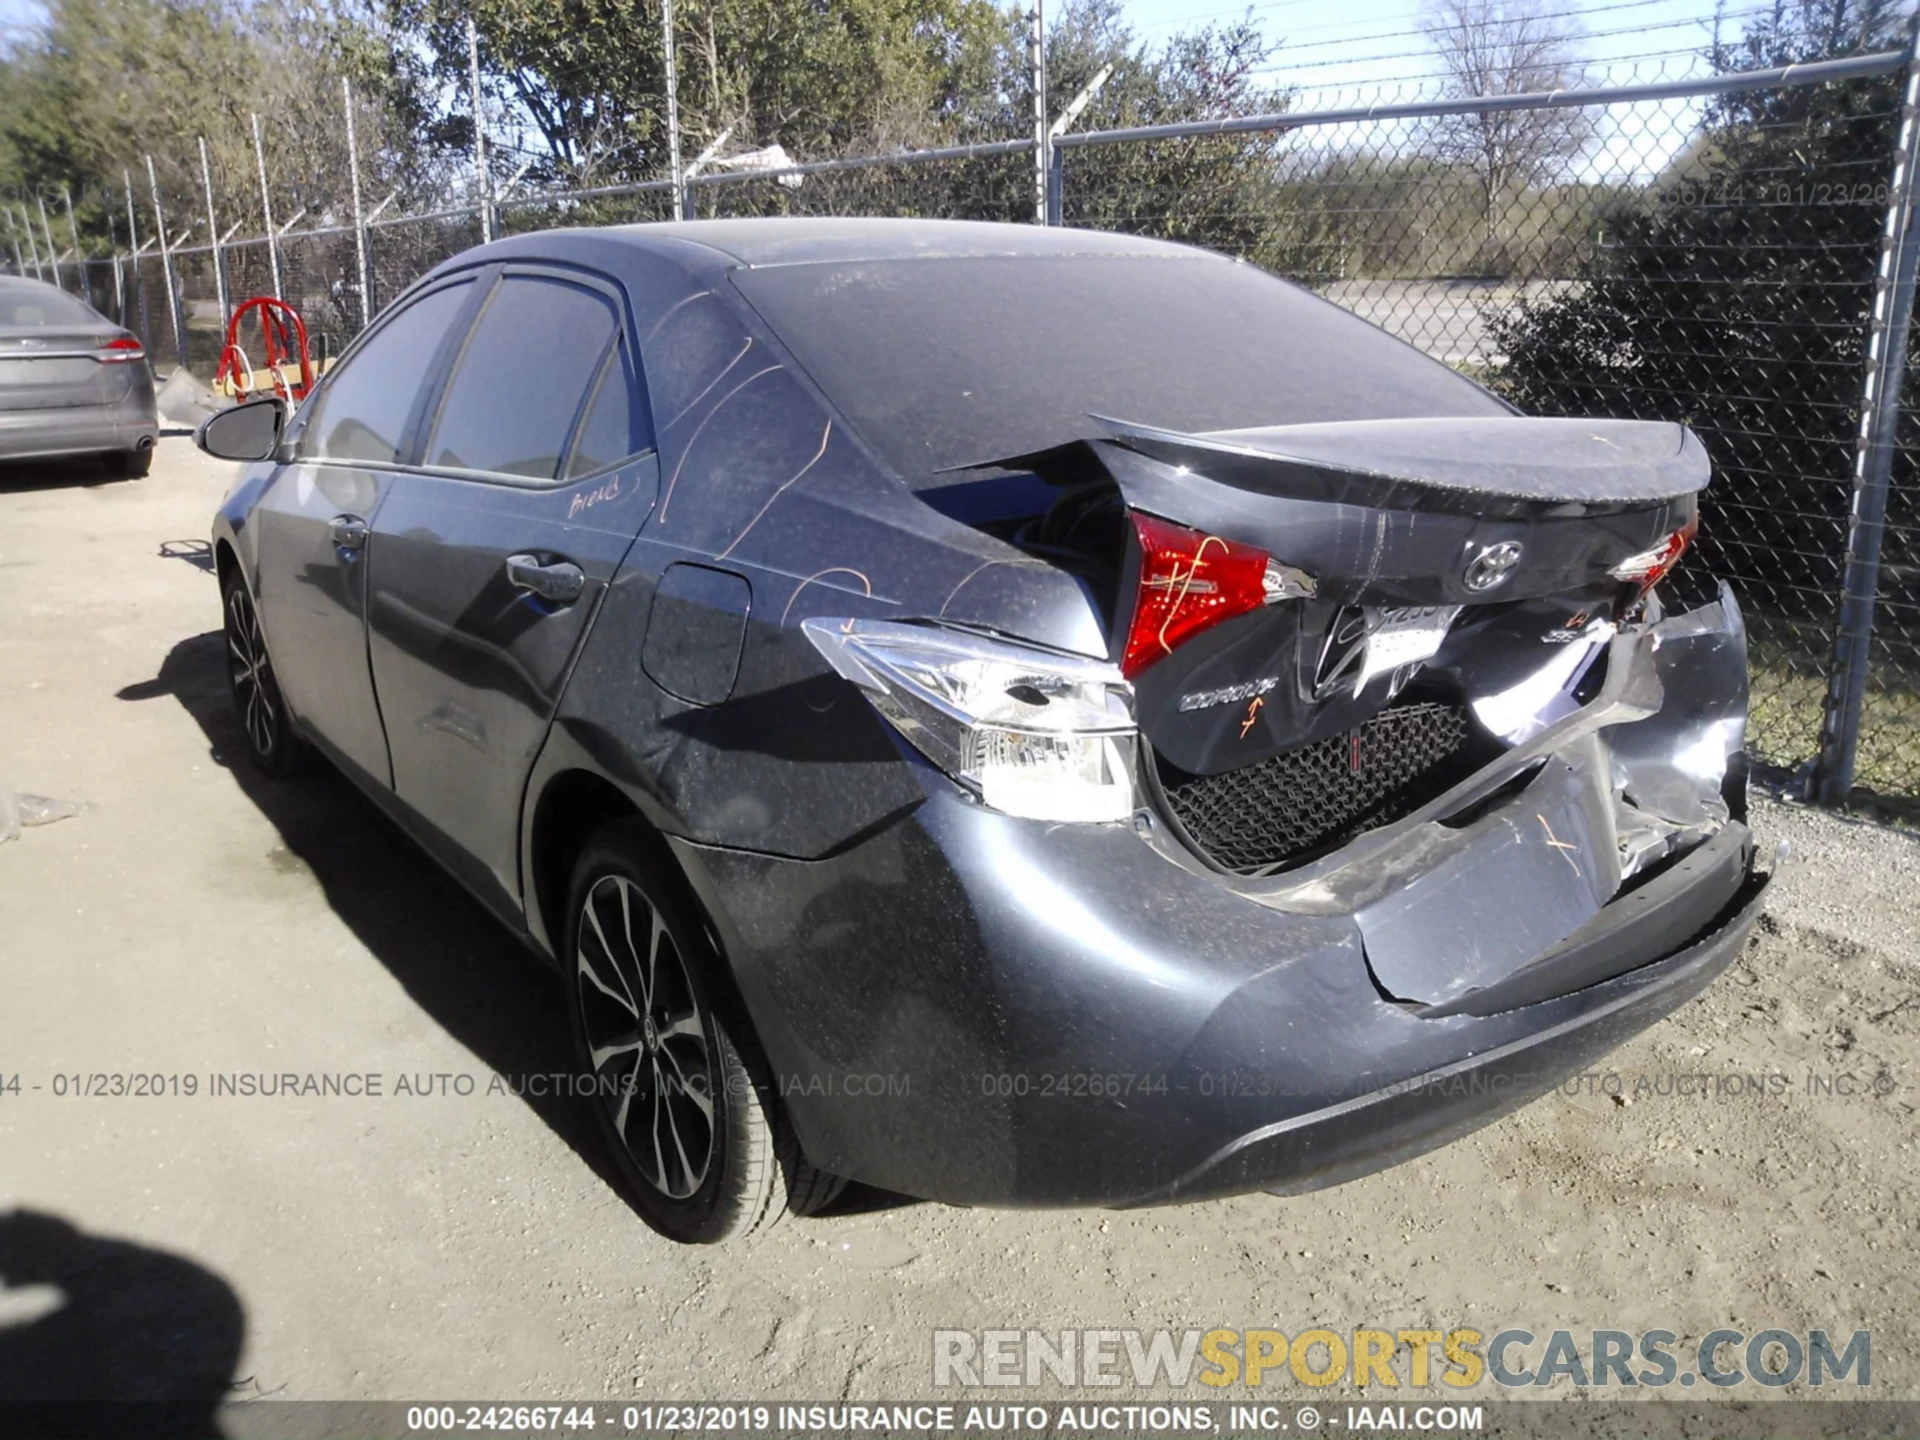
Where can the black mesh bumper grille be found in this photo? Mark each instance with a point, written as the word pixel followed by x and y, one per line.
pixel 1307 800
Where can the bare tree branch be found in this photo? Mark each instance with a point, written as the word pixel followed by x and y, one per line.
pixel 1505 47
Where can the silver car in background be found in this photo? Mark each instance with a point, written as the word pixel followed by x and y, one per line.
pixel 72 382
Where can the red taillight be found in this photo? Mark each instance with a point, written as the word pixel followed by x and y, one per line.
pixel 1650 567
pixel 120 351
pixel 1188 582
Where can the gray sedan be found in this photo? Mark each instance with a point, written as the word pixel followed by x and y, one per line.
pixel 71 381
pixel 1005 714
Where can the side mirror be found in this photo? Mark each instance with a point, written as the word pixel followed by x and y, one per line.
pixel 246 432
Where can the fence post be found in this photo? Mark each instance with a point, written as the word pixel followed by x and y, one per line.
pixel 13 235
pixel 33 247
pixel 53 253
pixel 359 215
pixel 481 171
pixel 166 269
pixel 1893 294
pixel 266 210
pixel 213 235
pixel 80 258
pixel 133 262
pixel 1037 46
pixel 119 284
pixel 675 173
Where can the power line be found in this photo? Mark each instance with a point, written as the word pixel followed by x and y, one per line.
pixel 1582 13
pixel 1427 51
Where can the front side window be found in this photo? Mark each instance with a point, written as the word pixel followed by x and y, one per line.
pixel 364 406
pixel 523 381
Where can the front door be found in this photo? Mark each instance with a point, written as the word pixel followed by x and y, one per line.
pixel 490 558
pixel 315 519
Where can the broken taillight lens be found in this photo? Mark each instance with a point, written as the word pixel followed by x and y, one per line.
pixel 1033 733
pixel 1191 581
pixel 1650 567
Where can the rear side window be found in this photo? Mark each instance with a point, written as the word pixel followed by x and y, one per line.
pixel 948 361
pixel 523 381
pixel 607 433
pixel 365 404
pixel 42 305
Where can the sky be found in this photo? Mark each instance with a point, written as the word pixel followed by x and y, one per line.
pixel 1358 52
pixel 1339 53
pixel 1369 45
pixel 1327 47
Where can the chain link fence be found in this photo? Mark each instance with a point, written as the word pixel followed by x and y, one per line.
pixel 1694 250
pixel 1695 257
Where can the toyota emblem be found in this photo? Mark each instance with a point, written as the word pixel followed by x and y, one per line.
pixel 1492 565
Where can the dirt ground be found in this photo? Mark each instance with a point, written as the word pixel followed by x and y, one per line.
pixel 195 919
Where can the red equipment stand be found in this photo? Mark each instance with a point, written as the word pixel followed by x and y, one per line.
pixel 286 341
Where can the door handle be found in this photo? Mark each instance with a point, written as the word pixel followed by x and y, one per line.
pixel 349 532
pixel 561 582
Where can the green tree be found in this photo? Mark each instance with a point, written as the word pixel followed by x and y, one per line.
pixel 1734 295
pixel 586 77
pixel 103 83
pixel 1217 191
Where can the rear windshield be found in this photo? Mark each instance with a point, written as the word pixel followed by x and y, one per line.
pixel 941 362
pixel 37 306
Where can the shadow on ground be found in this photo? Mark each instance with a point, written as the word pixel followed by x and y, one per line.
pixel 101 1336
pixel 84 472
pixel 453 958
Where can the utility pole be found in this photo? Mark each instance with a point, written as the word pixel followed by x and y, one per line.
pixel 673 112
pixel 213 234
pixel 266 209
pixel 479 132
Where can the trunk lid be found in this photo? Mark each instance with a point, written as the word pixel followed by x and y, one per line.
pixel 1414 567
pixel 1460 552
pixel 48 368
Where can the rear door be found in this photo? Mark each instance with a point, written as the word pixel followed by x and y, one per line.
pixel 313 524
pixel 491 556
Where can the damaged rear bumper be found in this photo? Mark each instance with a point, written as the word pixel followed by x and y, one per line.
pixel 979 1009
pixel 1409 1117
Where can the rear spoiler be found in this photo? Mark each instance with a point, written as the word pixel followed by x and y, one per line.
pixel 1508 465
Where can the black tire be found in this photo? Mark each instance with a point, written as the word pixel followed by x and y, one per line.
pixel 131 464
pixel 274 747
pixel 692 1122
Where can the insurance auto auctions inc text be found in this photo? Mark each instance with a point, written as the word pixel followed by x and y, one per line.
pixel 1389 1359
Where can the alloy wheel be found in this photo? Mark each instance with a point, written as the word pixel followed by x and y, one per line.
pixel 646 1036
pixel 252 678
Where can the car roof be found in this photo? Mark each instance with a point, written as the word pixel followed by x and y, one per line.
pixel 805 240
pixel 27 282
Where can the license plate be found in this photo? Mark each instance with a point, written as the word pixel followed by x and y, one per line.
pixel 1402 636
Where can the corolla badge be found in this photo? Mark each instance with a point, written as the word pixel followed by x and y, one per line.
pixel 1492 565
